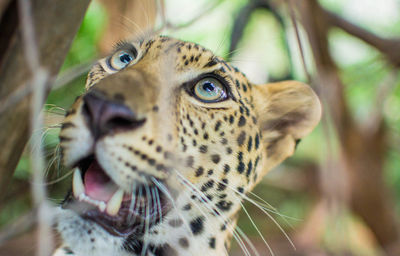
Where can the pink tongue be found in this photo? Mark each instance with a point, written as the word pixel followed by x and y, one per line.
pixel 97 184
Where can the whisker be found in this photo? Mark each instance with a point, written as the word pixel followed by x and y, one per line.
pixel 262 209
pixel 164 190
pixel 146 220
pixel 59 179
pixel 207 204
pixel 227 223
pixel 131 206
pixel 257 229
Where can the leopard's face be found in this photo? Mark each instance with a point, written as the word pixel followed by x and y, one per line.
pixel 166 141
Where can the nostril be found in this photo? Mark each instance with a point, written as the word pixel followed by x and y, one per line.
pixel 105 116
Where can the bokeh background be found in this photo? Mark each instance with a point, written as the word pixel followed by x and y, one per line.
pixel 340 193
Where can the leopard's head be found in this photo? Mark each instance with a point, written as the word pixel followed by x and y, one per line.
pixel 166 141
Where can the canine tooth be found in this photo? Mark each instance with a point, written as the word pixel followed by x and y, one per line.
pixel 102 206
pixel 81 197
pixel 115 203
pixel 77 184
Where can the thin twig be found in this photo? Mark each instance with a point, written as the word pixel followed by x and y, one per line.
pixel 38 83
pixel 301 48
pixel 168 25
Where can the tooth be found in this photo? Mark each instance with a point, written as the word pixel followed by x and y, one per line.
pixel 77 184
pixel 82 197
pixel 115 203
pixel 102 206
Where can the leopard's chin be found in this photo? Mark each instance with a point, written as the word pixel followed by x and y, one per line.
pixel 96 197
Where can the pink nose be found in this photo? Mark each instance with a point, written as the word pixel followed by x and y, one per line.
pixel 106 116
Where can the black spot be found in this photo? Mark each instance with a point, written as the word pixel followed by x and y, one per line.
pixel 254 119
pixel 209 184
pixel 224 205
pixel 196 225
pixel 158 149
pixel 210 172
pixel 205 136
pixel 256 163
pixel 187 207
pixel 186 62
pixel 240 156
pixel 244 88
pixel 240 189
pixel 212 243
pixel 224 141
pixel 237 84
pixel 227 168
pixel 257 141
pixel 229 150
pixel 240 167
pixel 250 143
pixel 203 149
pixel 231 119
pixel 222 185
pixel 152 161
pixel 215 158
pixel 223 227
pixel 183 242
pixel 217 125
pixel 249 168
pixel 240 138
pixel 242 121
pixel 199 171
pixel 211 63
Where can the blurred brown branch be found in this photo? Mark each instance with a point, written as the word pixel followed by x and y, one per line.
pixel 55 24
pixel 362 152
pixel 390 47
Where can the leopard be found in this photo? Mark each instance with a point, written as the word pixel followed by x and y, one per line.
pixel 164 145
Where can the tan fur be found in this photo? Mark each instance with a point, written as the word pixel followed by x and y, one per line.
pixel 229 145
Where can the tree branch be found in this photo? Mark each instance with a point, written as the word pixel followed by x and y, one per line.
pixel 390 47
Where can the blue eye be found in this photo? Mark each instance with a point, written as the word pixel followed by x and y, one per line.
pixel 121 59
pixel 209 90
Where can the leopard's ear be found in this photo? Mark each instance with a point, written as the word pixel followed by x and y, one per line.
pixel 287 111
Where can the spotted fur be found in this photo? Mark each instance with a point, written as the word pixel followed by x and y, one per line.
pixel 207 154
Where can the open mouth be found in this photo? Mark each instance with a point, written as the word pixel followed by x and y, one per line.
pixel 97 198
